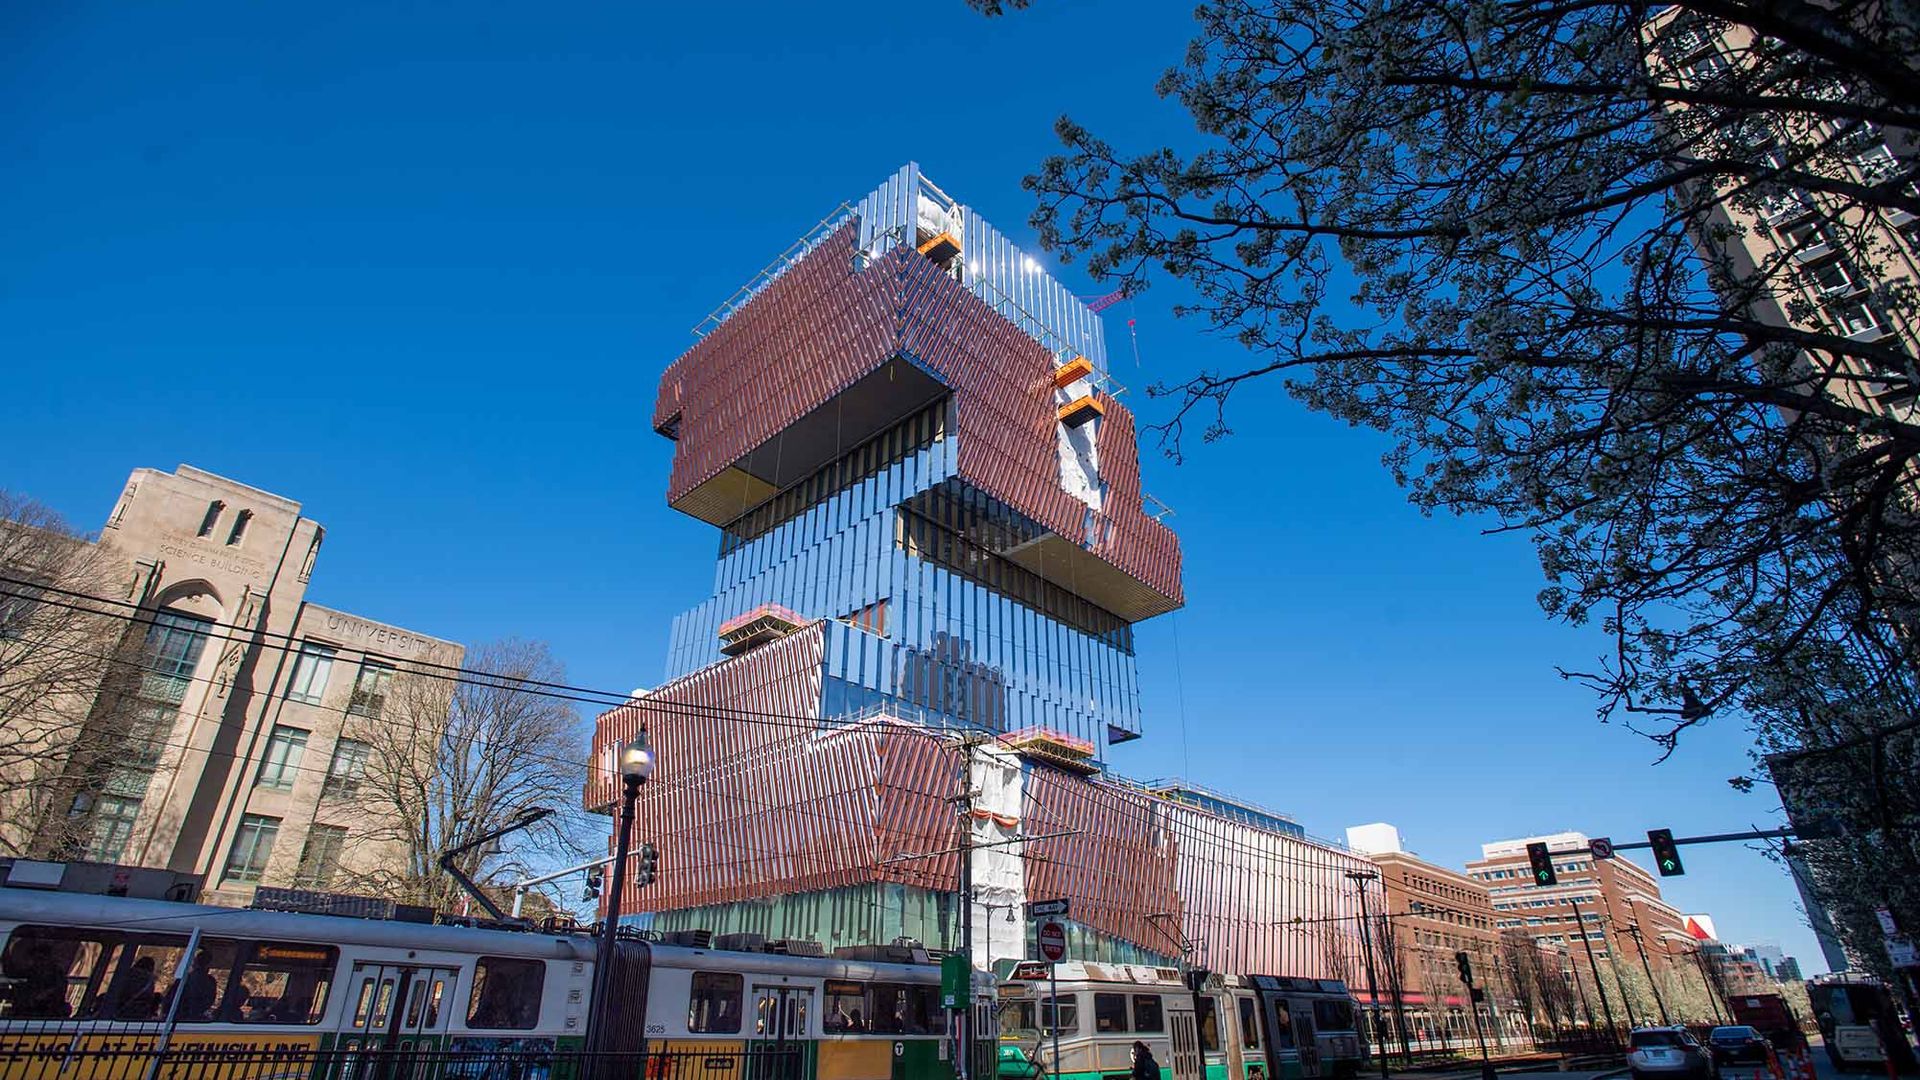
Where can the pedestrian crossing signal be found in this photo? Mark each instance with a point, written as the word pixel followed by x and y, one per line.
pixel 1666 856
pixel 1542 860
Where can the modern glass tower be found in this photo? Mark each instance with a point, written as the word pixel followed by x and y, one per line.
pixel 931 522
pixel 905 432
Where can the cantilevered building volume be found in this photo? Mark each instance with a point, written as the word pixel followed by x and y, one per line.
pixel 931 525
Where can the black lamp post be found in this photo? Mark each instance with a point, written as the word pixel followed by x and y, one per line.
pixel 635 764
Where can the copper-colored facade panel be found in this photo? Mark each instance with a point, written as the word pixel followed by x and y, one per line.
pixel 825 323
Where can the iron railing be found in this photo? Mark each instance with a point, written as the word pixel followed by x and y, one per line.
pixel 246 1056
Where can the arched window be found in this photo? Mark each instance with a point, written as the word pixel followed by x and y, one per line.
pixel 239 532
pixel 214 509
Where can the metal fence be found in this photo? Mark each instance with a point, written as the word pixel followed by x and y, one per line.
pixel 38 1058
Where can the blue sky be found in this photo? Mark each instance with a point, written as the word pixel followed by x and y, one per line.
pixel 419 267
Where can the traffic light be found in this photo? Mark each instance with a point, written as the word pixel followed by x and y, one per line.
pixel 649 862
pixel 1542 860
pixel 1466 967
pixel 1666 856
pixel 593 886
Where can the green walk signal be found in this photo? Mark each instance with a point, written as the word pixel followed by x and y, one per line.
pixel 1666 856
pixel 1542 862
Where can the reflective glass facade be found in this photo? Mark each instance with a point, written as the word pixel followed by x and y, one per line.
pixel 966 638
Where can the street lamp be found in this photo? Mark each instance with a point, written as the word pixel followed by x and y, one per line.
pixel 635 763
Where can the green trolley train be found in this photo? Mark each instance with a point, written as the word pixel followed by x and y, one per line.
pixel 113 988
pixel 1080 1023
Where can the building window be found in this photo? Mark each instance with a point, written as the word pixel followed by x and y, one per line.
pixel 1878 163
pixel 320 859
pixel 17 607
pixel 349 766
pixel 173 647
pixel 285 747
pixel 252 847
pixel 209 522
pixel 1831 278
pixel 310 673
pixel 1857 320
pixel 112 827
pixel 239 532
pixel 148 728
pixel 370 689
pixel 1708 68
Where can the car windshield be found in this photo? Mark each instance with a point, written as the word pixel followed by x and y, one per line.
pixel 1642 1039
pixel 1733 1034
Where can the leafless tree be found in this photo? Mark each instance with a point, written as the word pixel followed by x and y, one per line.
pixel 454 760
pixel 1520 969
pixel 55 656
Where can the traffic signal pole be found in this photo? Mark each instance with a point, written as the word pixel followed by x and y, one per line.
pixel 1473 1005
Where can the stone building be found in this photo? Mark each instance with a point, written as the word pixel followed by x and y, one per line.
pixel 220 741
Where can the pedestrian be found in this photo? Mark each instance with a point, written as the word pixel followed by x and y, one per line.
pixel 1144 1067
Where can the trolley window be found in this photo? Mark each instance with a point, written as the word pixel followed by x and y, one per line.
pixel 1249 1024
pixel 1109 1012
pixel 1017 1015
pixel 58 973
pixel 1333 1015
pixel 1282 1026
pixel 846 1008
pixel 506 993
pixel 902 1009
pixel 1146 1013
pixel 713 1006
pixel 280 983
pixel 1069 1018
pixel 54 972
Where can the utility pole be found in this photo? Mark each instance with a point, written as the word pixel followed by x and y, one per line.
pixel 963 1022
pixel 1713 991
pixel 1360 879
pixel 1613 1031
pixel 1613 962
pixel 1640 946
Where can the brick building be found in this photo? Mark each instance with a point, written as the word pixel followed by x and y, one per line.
pixel 1620 910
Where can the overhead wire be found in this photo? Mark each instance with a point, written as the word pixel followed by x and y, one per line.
pixel 804 724
pixel 428 669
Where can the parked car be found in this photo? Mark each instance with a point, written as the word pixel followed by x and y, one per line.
pixel 1665 1053
pixel 1737 1044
